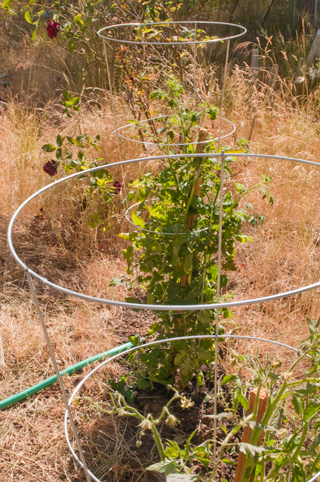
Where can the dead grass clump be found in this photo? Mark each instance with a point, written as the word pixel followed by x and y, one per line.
pixel 111 447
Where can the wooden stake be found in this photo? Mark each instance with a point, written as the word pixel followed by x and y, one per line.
pixel 203 136
pixel 254 62
pixel 262 407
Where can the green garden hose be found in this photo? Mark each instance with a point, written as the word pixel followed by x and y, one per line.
pixel 68 371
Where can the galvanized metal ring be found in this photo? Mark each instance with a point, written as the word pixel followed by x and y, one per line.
pixel 154 145
pixel 146 306
pixel 102 32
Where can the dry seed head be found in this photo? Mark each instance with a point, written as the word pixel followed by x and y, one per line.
pixel 172 420
pixel 186 403
pixel 282 433
pixel 286 376
pixel 145 425
pixel 277 363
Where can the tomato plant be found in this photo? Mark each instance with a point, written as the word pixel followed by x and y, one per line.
pixel 173 253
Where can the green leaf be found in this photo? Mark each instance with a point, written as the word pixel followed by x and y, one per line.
pixel 74 141
pixel 132 300
pixel 296 405
pixel 166 467
pixel 228 379
pixel 243 239
pixel 95 221
pixel 115 282
pixel 143 383
pixel 124 236
pixel 310 388
pixel 173 289
pixel 297 475
pixel 212 111
pixel 48 148
pixel 76 101
pixel 59 140
pixel 311 409
pixel 128 253
pixel 200 378
pixel 179 358
pixel 228 462
pixel 78 19
pixel 155 212
pixel 204 354
pixel 252 424
pixel 187 446
pixel 172 450
pixel 135 339
pixel 27 16
pixel 66 94
pixel 242 399
pixel 137 220
pixel 205 318
pixel 204 461
pixel 150 298
pixel 251 450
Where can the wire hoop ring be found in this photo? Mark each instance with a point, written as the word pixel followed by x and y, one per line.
pixel 153 145
pixel 102 31
pixel 145 306
pixel 147 345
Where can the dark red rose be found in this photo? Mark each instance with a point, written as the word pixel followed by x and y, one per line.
pixel 50 167
pixel 53 29
pixel 119 186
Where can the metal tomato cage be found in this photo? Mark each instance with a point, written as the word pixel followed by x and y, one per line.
pixel 117 34
pixel 151 344
pixel 31 275
pixel 219 157
pixel 153 145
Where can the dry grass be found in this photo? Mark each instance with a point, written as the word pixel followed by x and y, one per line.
pixel 285 251
pixel 285 254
